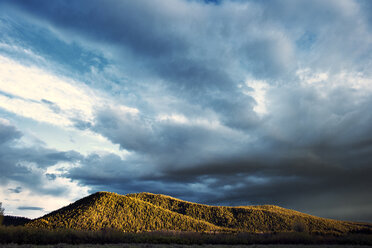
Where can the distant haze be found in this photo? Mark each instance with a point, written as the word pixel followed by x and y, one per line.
pixel 217 102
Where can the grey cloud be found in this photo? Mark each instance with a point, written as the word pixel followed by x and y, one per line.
pixel 30 208
pixel 165 142
pixel 17 190
pixel 306 161
pixel 171 51
pixel 53 106
pixel 237 112
pixel 82 125
pixel 339 28
pixel 51 176
pixel 8 133
pixel 123 176
pixel 300 182
pixel 15 161
pixel 111 173
pixel 173 42
pixel 268 56
pixel 308 147
pixel 141 39
pixel 130 131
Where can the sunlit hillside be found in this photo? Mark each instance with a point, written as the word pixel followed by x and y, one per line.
pixel 264 218
pixel 150 212
pixel 109 210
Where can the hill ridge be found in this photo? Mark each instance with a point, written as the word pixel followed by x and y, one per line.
pixel 150 212
pixel 263 207
pixel 110 207
pixel 296 218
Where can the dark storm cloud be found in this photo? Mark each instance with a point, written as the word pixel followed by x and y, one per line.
pixel 165 142
pixel 317 160
pixel 300 182
pixel 318 154
pixel 111 173
pixel 303 185
pixel 311 151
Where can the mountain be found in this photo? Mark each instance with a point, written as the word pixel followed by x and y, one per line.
pixel 150 212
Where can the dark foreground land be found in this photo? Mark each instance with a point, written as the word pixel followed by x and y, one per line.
pixel 176 246
pixel 35 237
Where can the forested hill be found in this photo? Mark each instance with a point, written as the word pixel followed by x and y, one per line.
pixel 150 212
pixel 262 218
pixel 15 220
pixel 109 210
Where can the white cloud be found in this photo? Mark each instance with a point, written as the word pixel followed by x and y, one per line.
pixel 14 49
pixel 258 90
pixel 325 82
pixel 37 94
pixel 32 92
pixel 177 118
pixel 308 76
pixel 48 202
pixel 33 110
pixel 52 104
pixel 47 193
pixel 183 120
pixel 354 80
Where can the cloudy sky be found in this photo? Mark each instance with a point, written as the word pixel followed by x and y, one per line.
pixel 217 102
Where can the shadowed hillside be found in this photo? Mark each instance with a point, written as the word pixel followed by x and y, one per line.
pixel 15 220
pixel 150 212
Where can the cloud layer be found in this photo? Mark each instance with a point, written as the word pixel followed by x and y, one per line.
pixel 227 102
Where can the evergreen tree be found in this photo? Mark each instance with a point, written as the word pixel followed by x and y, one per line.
pixel 1 213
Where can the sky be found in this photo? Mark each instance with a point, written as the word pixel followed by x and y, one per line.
pixel 216 102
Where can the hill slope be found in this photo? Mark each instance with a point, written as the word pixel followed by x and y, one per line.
pixel 109 210
pixel 146 211
pixel 264 218
pixel 15 220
